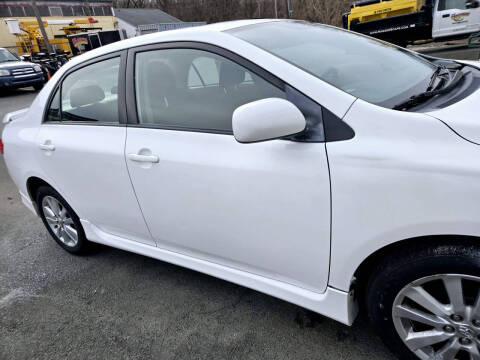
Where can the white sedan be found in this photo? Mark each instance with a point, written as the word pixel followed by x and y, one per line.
pixel 325 168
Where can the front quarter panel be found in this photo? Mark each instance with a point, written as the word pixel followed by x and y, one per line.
pixel 404 175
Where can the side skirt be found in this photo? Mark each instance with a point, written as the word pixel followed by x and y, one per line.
pixel 333 303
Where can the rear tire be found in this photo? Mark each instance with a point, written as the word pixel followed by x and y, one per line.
pixel 420 273
pixel 61 221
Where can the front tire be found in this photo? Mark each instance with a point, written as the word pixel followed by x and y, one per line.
pixel 38 87
pixel 61 221
pixel 424 301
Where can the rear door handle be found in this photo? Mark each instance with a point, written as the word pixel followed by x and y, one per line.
pixel 445 15
pixel 144 158
pixel 47 147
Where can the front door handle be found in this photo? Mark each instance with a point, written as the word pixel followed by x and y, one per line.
pixel 445 15
pixel 47 147
pixel 144 158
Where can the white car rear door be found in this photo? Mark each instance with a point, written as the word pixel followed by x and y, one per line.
pixel 81 149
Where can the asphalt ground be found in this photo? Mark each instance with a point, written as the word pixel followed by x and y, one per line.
pixel 116 305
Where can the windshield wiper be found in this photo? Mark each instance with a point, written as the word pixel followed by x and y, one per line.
pixel 439 71
pixel 422 97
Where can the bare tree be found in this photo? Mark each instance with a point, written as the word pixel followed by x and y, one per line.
pixel 323 11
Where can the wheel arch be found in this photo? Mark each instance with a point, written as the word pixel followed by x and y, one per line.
pixel 364 271
pixel 33 184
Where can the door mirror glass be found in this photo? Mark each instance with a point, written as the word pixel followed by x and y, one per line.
pixel 267 119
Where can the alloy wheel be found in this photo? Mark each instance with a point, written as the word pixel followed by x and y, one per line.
pixel 59 221
pixel 438 317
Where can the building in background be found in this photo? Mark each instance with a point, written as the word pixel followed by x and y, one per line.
pixel 143 21
pixel 100 10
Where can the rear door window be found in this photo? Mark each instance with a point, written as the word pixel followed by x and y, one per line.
pixel 53 113
pixel 91 93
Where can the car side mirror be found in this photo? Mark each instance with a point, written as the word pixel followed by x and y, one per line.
pixel 267 119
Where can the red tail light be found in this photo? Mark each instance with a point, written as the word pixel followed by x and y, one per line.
pixel 1 146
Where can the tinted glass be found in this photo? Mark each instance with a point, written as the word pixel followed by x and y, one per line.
pixel 17 11
pixel 67 11
pixel 366 68
pixel 4 11
pixel 87 11
pixel 90 93
pixel 452 4
pixel 28 11
pixel 77 11
pixel 56 11
pixel 43 11
pixel 53 113
pixel 98 11
pixel 194 89
pixel 6 55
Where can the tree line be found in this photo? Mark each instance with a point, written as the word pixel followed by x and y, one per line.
pixel 322 11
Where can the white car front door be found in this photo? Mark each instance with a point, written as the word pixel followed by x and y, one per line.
pixel 262 208
pixel 81 149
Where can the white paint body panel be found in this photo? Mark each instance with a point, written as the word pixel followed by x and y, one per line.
pixel 263 208
pixel 404 175
pixel 462 116
pixel 259 214
pixel 90 172
pixel 333 303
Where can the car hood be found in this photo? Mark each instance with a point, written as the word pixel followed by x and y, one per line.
pixel 15 64
pixel 463 117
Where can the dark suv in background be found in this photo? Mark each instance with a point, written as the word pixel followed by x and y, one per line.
pixel 16 74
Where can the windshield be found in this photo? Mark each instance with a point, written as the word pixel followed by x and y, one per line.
pixel 6 55
pixel 370 69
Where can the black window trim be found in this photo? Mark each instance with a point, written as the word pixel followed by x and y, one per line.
pixel 121 103
pixel 127 107
pixel 334 128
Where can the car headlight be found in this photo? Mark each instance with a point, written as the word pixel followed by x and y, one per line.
pixel 4 72
pixel 37 68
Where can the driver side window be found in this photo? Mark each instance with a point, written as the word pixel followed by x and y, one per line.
pixel 194 89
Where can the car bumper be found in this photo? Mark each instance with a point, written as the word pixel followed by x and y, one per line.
pixel 21 80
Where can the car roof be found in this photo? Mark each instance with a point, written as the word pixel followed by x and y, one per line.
pixel 198 33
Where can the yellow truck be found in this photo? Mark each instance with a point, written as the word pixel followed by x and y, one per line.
pixel 30 39
pixel 402 21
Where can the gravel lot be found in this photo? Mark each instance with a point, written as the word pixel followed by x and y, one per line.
pixel 115 305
